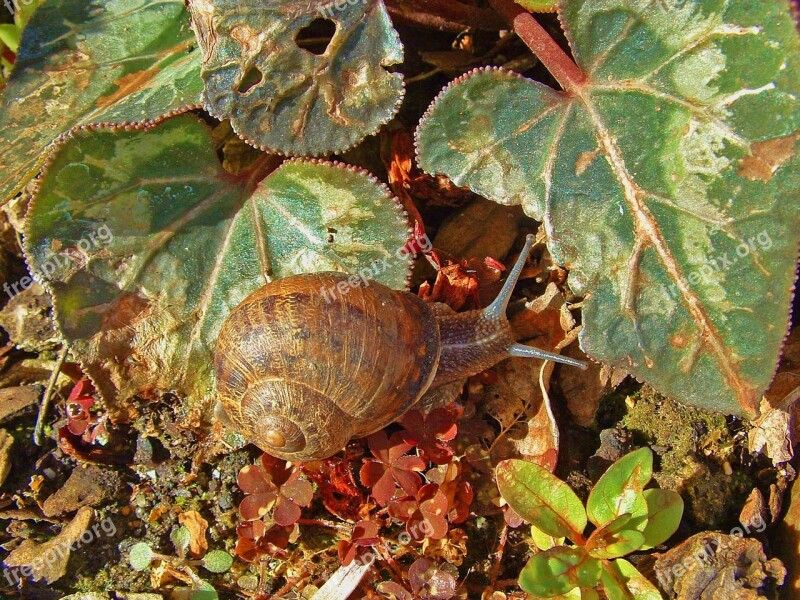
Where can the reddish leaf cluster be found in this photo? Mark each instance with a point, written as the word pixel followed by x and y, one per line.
pixel 430 434
pixel 255 540
pixel 80 420
pixel 271 490
pixel 271 485
pixel 425 505
pixel 391 467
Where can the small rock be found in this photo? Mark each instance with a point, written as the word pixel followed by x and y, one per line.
pixel 716 566
pixel 27 320
pixel 88 485
pixel 14 400
pixel 614 443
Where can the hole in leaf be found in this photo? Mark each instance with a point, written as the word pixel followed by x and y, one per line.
pixel 251 79
pixel 316 36
pixel 331 235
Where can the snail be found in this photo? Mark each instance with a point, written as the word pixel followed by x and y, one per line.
pixel 299 374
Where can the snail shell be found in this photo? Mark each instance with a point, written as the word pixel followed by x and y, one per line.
pixel 299 372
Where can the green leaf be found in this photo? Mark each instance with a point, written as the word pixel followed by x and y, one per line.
pixel 668 183
pixel 140 556
pixel 539 5
pixel 559 570
pixel 204 594
pixel 165 244
pixel 181 537
pixel 10 35
pixel 284 98
pixel 609 544
pixel 577 594
pixel 218 561
pixel 621 581
pixel 111 61
pixel 544 541
pixel 619 490
pixel 541 498
pixel 664 512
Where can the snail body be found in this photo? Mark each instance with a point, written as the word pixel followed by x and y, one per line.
pixel 300 372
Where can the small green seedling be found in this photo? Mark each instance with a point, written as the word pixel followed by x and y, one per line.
pixel 626 517
pixel 141 557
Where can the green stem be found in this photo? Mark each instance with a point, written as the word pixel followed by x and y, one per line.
pixel 568 74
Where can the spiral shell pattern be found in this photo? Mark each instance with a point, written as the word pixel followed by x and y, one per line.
pixel 308 362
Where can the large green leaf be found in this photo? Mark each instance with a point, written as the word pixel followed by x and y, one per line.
pixel 284 98
pixel 664 512
pixel 668 183
pixel 559 570
pixel 166 243
pixel 541 498
pixel 620 490
pixel 111 61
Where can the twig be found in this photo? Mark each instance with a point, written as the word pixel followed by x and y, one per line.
pixel 500 549
pixel 48 395
pixel 444 15
pixel 558 62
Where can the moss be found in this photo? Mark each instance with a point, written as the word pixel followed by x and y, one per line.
pixel 696 452
pixel 713 498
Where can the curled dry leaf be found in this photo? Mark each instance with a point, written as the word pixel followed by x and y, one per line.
pixel 775 431
pixel 516 401
pixel 38 558
pixel 197 526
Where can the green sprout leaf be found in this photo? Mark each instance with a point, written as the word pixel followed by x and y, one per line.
pixel 113 61
pixel 664 512
pixel 559 570
pixel 140 556
pixel 285 98
pixel 541 498
pixel 146 245
pixel 204 594
pixel 668 183
pixel 539 5
pixel 218 561
pixel 620 490
pixel 613 544
pixel 181 538
pixel 544 541
pixel 621 581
